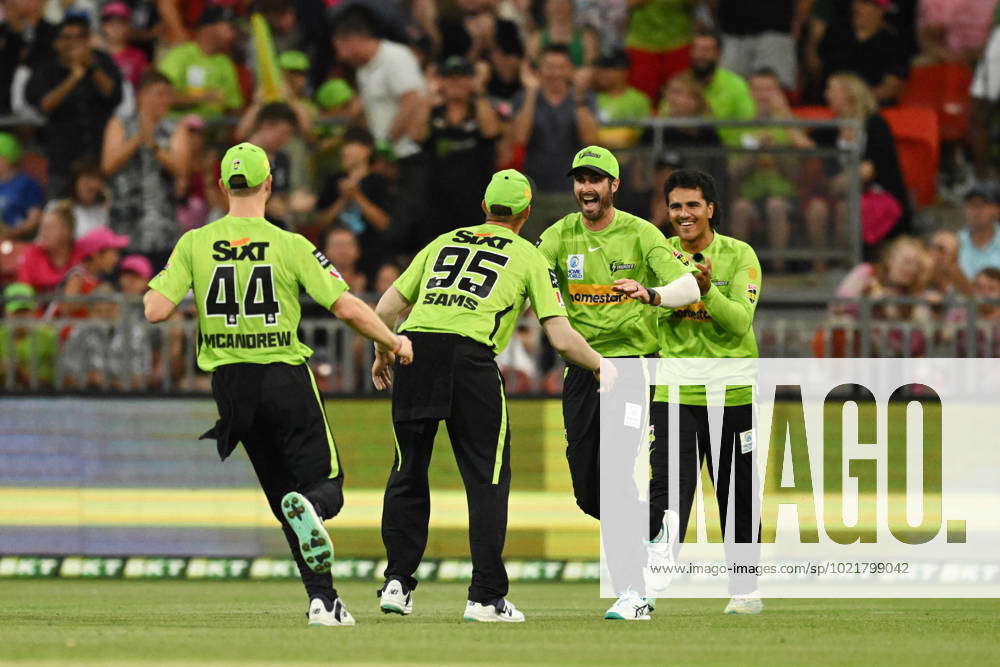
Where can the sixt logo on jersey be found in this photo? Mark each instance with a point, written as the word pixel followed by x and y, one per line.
pixel 481 238
pixel 239 249
pixel 620 266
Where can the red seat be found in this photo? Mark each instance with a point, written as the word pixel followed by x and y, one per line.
pixel 813 113
pixel 944 88
pixel 916 132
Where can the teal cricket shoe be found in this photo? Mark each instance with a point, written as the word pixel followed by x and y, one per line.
pixel 314 541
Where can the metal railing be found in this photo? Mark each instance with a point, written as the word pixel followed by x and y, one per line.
pixel 125 354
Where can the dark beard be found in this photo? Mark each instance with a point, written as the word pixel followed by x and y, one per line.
pixel 605 201
pixel 703 72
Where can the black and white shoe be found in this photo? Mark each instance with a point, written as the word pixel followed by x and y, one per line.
pixel 395 599
pixel 325 612
pixel 500 612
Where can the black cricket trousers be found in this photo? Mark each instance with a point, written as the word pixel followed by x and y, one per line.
pixel 695 449
pixel 454 379
pixel 276 411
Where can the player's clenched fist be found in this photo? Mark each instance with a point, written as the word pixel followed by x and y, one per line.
pixel 404 352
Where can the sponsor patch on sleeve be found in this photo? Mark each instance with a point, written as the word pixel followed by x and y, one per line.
pixel 752 292
pixel 326 264
pixel 553 278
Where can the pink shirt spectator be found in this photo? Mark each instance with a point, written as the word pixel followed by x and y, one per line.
pixel 967 23
pixel 133 64
pixel 37 270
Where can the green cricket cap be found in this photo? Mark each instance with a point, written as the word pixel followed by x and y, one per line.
pixel 509 188
pixel 10 147
pixel 596 158
pixel 333 93
pixel 245 160
pixel 295 61
pixel 18 296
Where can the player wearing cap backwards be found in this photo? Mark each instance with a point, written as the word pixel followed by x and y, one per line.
pixel 247 275
pixel 719 325
pixel 589 251
pixel 467 288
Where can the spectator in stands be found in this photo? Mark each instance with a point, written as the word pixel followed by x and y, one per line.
pixel 618 102
pixel 21 198
pixel 201 71
pixel 608 19
pixel 664 164
pixel 26 41
pixel 275 127
pixel 77 92
pixel 850 97
pixel 504 83
pixel 947 278
pixel 467 30
pixel 953 31
pixel 459 136
pixel 201 200
pixel 342 249
pixel 390 85
pixel 99 250
pixel 116 28
pixel 561 28
pixel 903 271
pixel 985 286
pixel 727 93
pixel 358 199
pixel 554 116
pixel 33 346
pixel 985 95
pixel 47 261
pixel 658 40
pixel 295 68
pixel 979 240
pixel 869 47
pixel 766 184
pixel 336 99
pixel 134 275
pixel 90 199
pixel 145 156
pixel 762 35
pixel 684 97
pixel 385 277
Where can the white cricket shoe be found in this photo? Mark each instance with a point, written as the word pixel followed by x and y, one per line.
pixel 628 607
pixel 330 614
pixel 395 599
pixel 660 557
pixel 745 604
pixel 488 613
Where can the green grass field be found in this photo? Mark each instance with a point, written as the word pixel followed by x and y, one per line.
pixel 251 623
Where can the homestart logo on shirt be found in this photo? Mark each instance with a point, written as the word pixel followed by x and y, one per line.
pixel 588 263
pixel 247 275
pixel 473 281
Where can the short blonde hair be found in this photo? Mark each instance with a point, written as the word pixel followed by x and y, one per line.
pixel 859 94
pixel 694 88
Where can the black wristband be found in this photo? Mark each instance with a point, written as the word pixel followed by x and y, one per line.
pixel 651 294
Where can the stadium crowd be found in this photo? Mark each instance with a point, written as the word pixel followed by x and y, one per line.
pixel 384 119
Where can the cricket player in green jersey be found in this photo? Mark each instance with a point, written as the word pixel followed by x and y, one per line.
pixel 588 251
pixel 717 326
pixel 247 275
pixel 466 289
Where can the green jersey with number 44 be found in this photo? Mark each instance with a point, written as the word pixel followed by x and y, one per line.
pixel 587 263
pixel 247 276
pixel 473 281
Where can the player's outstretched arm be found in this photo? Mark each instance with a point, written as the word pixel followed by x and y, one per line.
pixel 157 306
pixel 360 317
pixel 571 346
pixel 680 292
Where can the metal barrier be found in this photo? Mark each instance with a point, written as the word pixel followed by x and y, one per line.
pixel 124 354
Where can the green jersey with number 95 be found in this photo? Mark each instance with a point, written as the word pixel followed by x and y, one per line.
pixel 247 275
pixel 473 281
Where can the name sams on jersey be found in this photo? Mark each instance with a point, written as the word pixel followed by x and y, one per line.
pixel 230 251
